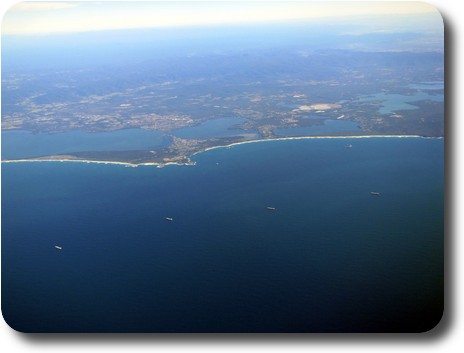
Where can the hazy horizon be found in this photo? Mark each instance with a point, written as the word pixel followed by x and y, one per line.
pixel 39 18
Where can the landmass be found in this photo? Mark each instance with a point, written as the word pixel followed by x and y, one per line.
pixel 143 157
pixel 340 92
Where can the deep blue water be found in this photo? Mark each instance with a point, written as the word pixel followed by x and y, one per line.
pixel 332 257
pixel 21 144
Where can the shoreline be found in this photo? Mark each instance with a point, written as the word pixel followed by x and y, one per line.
pixel 189 163
pixel 316 137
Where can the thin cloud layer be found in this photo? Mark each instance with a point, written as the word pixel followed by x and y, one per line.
pixel 59 17
pixel 41 6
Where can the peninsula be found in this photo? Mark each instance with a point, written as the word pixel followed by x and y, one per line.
pixel 214 95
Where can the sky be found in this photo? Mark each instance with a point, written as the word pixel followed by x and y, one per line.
pixel 36 18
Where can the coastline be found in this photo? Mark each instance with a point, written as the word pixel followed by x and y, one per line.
pixel 125 164
pixel 190 163
pixel 313 137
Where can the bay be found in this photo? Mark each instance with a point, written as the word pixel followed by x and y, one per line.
pixel 391 103
pixel 24 144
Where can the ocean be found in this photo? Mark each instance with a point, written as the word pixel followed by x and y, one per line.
pixel 331 257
